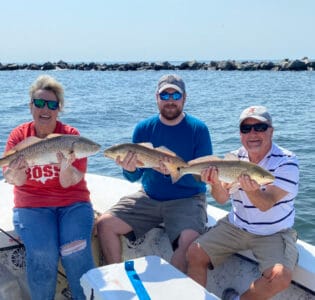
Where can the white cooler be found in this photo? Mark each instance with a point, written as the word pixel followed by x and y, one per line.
pixel 143 278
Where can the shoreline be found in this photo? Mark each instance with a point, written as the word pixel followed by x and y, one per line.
pixel 303 64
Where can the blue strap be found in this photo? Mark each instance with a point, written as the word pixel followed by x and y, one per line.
pixel 136 281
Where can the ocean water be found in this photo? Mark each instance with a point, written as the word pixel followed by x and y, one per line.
pixel 105 106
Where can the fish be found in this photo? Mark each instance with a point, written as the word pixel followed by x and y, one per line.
pixel 229 169
pixel 148 156
pixel 38 151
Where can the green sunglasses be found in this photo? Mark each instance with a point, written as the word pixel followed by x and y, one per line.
pixel 51 104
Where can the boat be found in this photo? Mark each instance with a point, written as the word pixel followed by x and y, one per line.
pixel 237 272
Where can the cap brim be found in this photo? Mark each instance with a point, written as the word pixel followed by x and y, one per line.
pixel 170 86
pixel 259 118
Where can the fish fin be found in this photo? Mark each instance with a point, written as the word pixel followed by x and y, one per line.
pixel 231 156
pixel 65 163
pixel 23 144
pixel 165 150
pixel 147 145
pixel 161 149
pixel 174 171
pixel 140 164
pixel 203 159
pixel 10 152
pixel 175 176
pixel 54 135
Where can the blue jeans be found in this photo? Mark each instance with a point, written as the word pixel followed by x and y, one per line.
pixel 52 232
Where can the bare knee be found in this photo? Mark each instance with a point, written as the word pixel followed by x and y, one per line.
pixel 101 220
pixel 197 256
pixel 73 247
pixel 109 224
pixel 279 276
pixel 103 223
pixel 285 277
pixel 186 238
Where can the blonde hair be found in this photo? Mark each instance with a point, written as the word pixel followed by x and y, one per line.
pixel 48 83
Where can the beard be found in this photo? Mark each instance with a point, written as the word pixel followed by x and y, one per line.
pixel 171 112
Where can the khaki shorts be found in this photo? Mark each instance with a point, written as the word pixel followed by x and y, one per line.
pixel 143 213
pixel 225 239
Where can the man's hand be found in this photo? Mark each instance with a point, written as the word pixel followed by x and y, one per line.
pixel 210 175
pixel 129 163
pixel 162 168
pixel 247 184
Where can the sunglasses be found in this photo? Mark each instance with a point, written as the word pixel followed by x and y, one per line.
pixel 259 127
pixel 51 104
pixel 166 96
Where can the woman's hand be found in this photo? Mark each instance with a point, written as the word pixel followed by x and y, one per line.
pixel 69 175
pixel 63 162
pixel 15 173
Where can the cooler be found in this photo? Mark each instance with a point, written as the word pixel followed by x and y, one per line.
pixel 142 278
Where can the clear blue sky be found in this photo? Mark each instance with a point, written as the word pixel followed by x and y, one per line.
pixel 155 30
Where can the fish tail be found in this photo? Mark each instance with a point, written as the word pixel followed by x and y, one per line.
pixel 3 162
pixel 174 172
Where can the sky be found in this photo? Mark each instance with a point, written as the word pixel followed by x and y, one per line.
pixel 155 30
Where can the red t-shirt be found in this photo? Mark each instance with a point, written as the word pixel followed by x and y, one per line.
pixel 42 187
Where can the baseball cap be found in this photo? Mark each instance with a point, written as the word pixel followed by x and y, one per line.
pixel 256 112
pixel 171 81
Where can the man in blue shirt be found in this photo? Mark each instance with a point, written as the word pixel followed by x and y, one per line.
pixel 180 206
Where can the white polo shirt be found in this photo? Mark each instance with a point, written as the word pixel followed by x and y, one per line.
pixel 283 164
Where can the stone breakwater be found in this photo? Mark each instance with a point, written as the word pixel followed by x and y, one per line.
pixel 225 65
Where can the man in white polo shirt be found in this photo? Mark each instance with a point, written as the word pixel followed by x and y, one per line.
pixel 261 217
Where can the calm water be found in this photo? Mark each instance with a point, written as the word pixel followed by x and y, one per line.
pixel 105 106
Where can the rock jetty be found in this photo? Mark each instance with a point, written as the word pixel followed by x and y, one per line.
pixel 303 64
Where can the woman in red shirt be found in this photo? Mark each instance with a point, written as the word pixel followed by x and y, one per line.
pixel 53 214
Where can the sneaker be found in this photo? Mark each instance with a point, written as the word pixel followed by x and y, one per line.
pixel 134 243
pixel 230 294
